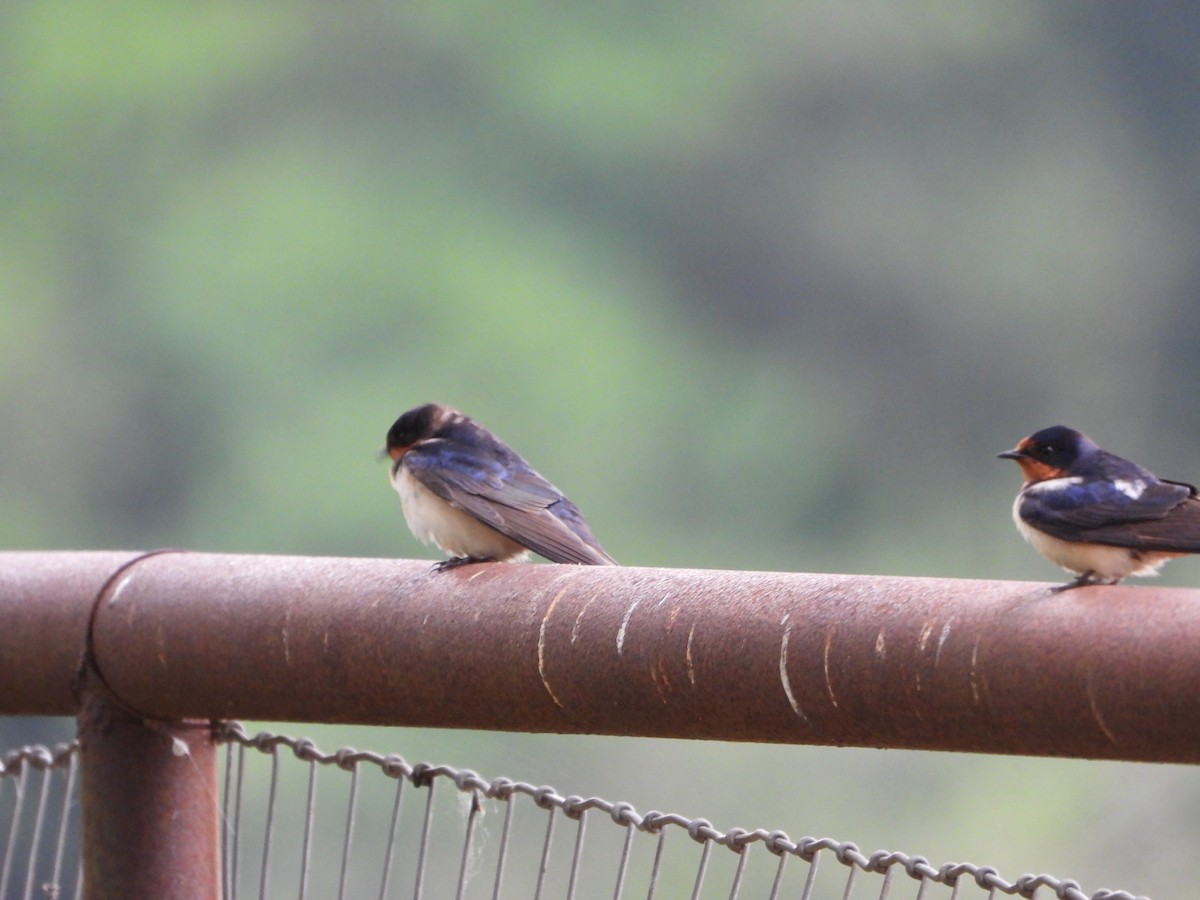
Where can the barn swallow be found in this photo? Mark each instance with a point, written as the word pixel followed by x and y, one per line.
pixel 1096 514
pixel 468 492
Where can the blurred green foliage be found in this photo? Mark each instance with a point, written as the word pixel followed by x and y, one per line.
pixel 763 286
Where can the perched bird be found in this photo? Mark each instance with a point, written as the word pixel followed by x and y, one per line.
pixel 468 492
pixel 1096 514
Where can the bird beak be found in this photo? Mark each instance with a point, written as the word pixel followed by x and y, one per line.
pixel 382 454
pixel 1011 454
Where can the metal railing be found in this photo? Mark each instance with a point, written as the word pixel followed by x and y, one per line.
pixel 148 648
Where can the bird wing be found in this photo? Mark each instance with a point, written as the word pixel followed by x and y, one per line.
pixel 507 495
pixel 1163 516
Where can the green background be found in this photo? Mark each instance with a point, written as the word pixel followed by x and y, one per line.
pixel 760 286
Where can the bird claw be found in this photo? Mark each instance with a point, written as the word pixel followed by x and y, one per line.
pixel 455 561
pixel 1059 588
pixel 1084 579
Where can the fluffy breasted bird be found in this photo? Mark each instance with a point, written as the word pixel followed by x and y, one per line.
pixel 472 495
pixel 1096 514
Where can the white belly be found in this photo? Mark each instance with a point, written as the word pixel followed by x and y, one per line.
pixel 434 521
pixel 1107 563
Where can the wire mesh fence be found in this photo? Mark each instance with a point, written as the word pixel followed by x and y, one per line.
pixel 389 829
pixel 39 823
pixel 448 832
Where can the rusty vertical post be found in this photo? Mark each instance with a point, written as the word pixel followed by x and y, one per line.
pixel 150 814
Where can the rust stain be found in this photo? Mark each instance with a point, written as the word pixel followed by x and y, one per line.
pixel 659 678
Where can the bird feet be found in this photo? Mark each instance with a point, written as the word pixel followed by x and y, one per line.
pixel 455 561
pixel 1084 579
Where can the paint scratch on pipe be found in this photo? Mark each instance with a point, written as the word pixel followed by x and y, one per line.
pixel 541 647
pixel 579 618
pixel 624 627
pixel 123 582
pixel 828 677
pixel 783 672
pixel 691 669
pixel 974 671
pixel 1091 692
pixel 942 640
pixel 922 643
pixel 923 637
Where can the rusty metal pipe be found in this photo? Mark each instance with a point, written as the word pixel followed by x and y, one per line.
pixel 150 816
pixel 935 664
pixel 45 602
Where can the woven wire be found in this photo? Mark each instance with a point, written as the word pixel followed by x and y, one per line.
pixel 426 872
pixel 39 825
